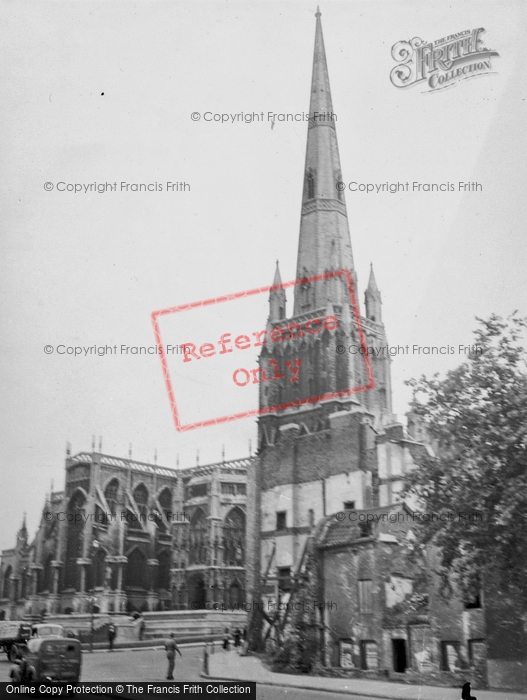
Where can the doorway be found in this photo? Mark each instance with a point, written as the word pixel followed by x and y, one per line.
pixel 197 593
pixel 399 655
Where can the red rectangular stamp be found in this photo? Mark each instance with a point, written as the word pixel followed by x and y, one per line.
pixel 223 367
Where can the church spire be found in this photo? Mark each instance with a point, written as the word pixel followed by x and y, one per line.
pixel 324 222
pixel 277 298
pixel 372 299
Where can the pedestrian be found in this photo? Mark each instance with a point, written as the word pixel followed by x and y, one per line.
pixel 226 639
pixel 142 626
pixel 171 648
pixel 237 637
pixel 466 694
pixel 112 633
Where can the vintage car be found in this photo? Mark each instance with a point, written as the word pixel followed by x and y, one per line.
pixel 49 660
pixel 45 629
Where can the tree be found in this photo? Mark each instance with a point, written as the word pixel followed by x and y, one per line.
pixel 476 417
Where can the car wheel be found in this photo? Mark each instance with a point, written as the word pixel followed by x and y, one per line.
pixel 12 654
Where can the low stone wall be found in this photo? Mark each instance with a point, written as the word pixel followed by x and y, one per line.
pixel 444 679
pixel 79 625
pixel 192 623
pixel 187 624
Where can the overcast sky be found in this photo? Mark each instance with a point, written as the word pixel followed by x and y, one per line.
pixel 104 92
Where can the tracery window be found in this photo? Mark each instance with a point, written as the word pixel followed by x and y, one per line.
pixel 198 538
pixel 234 538
pixel 110 494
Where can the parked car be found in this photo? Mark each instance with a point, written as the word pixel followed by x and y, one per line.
pixel 49 660
pixel 13 637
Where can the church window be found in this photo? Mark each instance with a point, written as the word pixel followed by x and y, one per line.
pixel 281 520
pixel 311 517
pixel 234 538
pixel 141 501
pixel 366 596
pixel 165 501
pixel 110 494
pixel 349 505
pixel 198 537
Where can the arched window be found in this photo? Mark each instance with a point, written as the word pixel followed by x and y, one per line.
pixel 74 539
pixel 141 500
pixel 165 501
pixel 163 570
pixel 234 538
pixel 136 570
pixel 6 588
pixel 111 495
pixel 140 496
pixel 198 543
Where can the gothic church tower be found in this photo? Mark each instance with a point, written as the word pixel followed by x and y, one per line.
pixel 316 452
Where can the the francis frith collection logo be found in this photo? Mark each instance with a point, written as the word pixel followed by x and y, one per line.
pixel 441 63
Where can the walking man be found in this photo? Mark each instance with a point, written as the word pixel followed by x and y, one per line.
pixel 171 648
pixel 111 635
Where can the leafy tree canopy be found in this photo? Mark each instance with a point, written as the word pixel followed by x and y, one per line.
pixel 476 418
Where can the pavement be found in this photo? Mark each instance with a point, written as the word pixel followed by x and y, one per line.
pixel 230 666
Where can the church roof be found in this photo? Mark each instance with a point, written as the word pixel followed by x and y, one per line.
pixel 354 527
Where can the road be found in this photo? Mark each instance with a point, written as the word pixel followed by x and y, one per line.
pixel 151 665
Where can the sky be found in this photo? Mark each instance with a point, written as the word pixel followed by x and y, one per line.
pixel 104 93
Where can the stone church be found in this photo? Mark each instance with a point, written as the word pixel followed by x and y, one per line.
pixel 314 519
pixel 329 538
pixel 331 449
pixel 129 536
